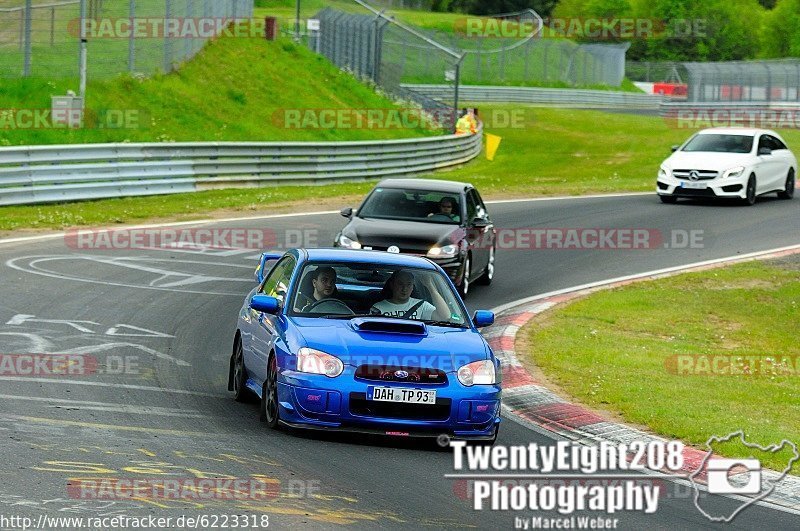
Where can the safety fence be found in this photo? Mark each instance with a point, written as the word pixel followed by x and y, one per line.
pixel 744 81
pixel 41 174
pixel 656 71
pixel 374 46
pixel 41 38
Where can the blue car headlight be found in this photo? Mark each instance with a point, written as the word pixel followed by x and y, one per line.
pixel 477 373
pixel 317 362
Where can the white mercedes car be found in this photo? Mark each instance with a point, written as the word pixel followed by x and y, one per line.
pixel 728 163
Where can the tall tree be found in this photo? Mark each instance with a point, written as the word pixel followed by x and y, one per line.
pixel 780 34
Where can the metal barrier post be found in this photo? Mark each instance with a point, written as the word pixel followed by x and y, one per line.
pixel 527 60
pixel 131 39
pixel 167 41
pixel 26 69
pixel 187 48
pixel 83 53
pixel 479 57
pixel 52 26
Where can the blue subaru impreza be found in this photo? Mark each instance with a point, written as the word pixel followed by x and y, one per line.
pixel 364 341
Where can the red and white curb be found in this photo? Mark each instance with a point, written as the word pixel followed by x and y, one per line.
pixel 531 403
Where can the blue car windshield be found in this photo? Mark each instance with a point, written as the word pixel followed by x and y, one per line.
pixel 346 290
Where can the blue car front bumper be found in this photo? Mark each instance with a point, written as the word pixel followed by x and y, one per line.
pixel 316 401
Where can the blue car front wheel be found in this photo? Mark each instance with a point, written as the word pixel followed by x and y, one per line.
pixel 269 396
pixel 239 376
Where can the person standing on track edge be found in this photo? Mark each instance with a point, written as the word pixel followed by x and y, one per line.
pixel 467 124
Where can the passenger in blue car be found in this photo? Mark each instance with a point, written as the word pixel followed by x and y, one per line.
pixel 399 302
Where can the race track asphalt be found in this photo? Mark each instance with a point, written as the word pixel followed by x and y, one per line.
pixel 170 315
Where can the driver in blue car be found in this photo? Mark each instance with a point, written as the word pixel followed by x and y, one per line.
pixel 323 279
pixel 398 301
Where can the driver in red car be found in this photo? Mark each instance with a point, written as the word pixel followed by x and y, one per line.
pixel 323 279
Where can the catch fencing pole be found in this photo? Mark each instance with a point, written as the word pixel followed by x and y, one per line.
pixel 83 58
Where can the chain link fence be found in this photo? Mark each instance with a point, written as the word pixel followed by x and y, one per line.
pixel 656 71
pixel 41 38
pixel 509 49
pixel 500 50
pixel 755 82
pixel 544 61
pixel 376 48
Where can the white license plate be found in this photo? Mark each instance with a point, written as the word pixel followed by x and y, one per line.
pixel 400 394
pixel 694 186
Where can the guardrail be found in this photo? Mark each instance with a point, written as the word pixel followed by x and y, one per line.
pixel 43 174
pixel 673 109
pixel 545 96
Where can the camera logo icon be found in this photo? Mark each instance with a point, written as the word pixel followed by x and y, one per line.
pixel 719 473
pixel 740 476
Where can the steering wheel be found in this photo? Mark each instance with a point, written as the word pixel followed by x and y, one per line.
pixel 336 304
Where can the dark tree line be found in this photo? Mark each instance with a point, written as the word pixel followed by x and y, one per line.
pixel 493 7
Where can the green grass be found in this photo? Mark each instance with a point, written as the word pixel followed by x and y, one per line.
pixel 230 91
pixel 285 11
pixel 611 351
pixel 198 205
pixel 556 152
pixel 564 151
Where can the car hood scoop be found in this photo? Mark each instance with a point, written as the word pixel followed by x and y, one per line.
pixel 388 325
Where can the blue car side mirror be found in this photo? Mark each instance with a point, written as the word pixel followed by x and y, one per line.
pixel 265 303
pixel 483 318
